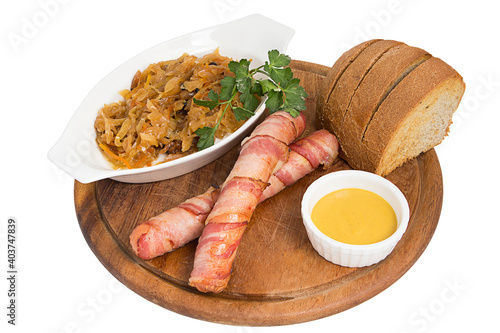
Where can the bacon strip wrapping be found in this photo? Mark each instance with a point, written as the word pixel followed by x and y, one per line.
pixel 262 153
pixel 320 147
pixel 175 228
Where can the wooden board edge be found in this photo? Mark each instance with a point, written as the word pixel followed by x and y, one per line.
pixel 309 67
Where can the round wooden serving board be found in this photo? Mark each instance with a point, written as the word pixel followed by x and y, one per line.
pixel 277 277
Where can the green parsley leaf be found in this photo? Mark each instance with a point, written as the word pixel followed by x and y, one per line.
pixel 250 102
pixel 212 103
pixel 243 83
pixel 207 137
pixel 227 83
pixel 274 100
pixel 257 89
pixel 214 97
pixel 240 68
pixel 268 85
pixel 281 75
pixel 295 98
pixel 293 83
pixel 208 104
pixel 242 114
pixel 278 60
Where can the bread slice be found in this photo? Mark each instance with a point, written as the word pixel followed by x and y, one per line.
pixel 412 119
pixel 334 74
pixel 340 97
pixel 385 74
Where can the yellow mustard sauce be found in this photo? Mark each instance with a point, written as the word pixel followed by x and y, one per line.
pixel 354 216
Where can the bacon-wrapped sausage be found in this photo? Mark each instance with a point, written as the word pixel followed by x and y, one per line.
pixel 263 153
pixel 174 227
pixel 320 147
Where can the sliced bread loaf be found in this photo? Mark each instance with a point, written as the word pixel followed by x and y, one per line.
pixel 384 75
pixel 414 117
pixel 390 103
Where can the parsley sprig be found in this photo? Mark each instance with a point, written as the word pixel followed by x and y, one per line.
pixel 282 89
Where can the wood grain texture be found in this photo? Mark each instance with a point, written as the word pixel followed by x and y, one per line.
pixel 277 278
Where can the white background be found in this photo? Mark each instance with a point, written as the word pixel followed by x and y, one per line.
pixel 62 287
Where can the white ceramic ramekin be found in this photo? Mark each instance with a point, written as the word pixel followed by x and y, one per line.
pixel 347 254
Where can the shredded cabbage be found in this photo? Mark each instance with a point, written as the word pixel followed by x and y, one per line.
pixel 157 115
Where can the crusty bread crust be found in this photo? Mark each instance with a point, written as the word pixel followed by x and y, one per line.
pixel 333 75
pixel 385 74
pixel 340 97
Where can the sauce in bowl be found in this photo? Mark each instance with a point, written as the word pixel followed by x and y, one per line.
pixel 354 216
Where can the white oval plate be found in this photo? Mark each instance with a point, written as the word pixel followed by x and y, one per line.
pixel 76 151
